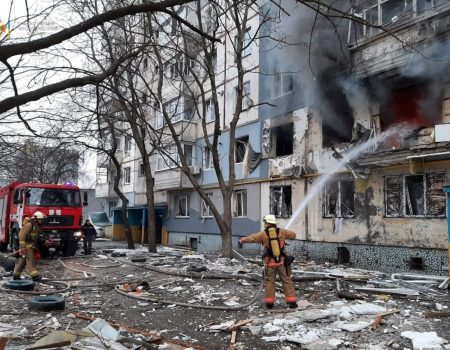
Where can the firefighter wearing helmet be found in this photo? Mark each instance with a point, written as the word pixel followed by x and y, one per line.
pixel 275 260
pixel 28 238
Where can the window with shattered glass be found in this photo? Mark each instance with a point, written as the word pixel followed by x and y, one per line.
pixel 415 195
pixel 182 206
pixel 240 148
pixel 393 195
pixel 436 203
pixel 281 201
pixel 339 199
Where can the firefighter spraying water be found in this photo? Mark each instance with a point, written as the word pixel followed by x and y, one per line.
pixel 276 260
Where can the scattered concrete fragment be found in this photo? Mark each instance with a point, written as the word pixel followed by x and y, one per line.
pixel 352 326
pixel 424 340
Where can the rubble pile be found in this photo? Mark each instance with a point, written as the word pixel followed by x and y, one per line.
pixel 178 299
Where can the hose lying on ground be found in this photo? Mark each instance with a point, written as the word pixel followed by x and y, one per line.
pixel 197 306
pixel 91 274
pixel 190 274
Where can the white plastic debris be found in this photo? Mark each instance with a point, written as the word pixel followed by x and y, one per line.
pixel 103 330
pixel 424 340
pixel 192 256
pixel 221 327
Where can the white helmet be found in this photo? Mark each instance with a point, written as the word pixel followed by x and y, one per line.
pixel 39 215
pixel 270 219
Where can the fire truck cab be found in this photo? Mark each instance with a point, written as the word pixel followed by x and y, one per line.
pixel 60 203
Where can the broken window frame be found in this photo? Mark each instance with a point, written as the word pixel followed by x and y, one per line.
pixel 281 201
pixel 339 186
pixel 406 207
pixel 205 209
pixel 182 206
pixel 240 204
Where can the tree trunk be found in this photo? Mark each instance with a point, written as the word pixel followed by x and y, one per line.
pixel 151 227
pixel 226 228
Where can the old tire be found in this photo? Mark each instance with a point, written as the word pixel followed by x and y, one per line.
pixel 9 264
pixel 47 303
pixel 139 259
pixel 70 248
pixel 20 285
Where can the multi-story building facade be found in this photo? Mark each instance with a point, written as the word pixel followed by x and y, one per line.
pixel 303 107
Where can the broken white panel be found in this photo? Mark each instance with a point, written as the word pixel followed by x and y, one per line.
pixel 398 291
pixel 103 330
pixel 424 340
pixel 192 256
pixel 352 326
pixel 442 132
pixel 364 309
pixel 222 326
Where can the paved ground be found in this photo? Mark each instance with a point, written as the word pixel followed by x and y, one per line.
pixel 322 321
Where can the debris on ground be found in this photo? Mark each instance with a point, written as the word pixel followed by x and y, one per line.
pixel 178 299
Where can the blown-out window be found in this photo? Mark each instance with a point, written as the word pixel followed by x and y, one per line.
pixel 339 200
pixel 281 201
pixel 415 195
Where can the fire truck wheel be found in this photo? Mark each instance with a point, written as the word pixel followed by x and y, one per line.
pixel 19 285
pixel 70 248
pixel 46 303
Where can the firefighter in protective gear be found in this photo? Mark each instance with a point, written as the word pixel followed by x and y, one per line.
pixel 28 238
pixel 273 239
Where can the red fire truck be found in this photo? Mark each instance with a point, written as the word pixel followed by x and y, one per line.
pixel 60 203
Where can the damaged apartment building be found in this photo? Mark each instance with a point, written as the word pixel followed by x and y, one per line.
pixel 311 104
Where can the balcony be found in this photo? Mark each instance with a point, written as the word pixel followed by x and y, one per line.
pixel 171 179
pixel 410 29
pixel 104 190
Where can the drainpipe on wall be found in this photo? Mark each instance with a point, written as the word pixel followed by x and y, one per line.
pixel 306 217
pixel 447 191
